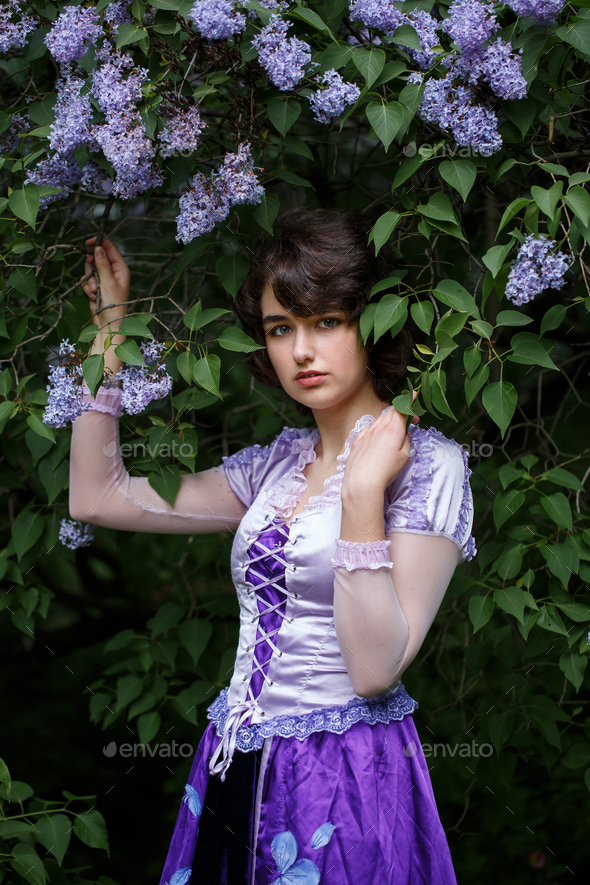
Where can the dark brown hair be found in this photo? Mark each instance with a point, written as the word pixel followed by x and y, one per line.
pixel 318 260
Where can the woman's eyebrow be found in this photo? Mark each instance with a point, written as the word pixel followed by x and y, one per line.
pixel 274 318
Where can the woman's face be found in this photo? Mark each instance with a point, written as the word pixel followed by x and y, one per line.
pixel 317 358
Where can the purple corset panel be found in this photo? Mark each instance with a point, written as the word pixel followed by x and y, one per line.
pixel 266 574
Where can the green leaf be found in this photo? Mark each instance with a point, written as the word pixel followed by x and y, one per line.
pixel 10 829
pixel 384 227
pixel 93 370
pixel 196 318
pixel 452 293
pixel 25 203
pixel 506 503
pixel 23 280
pixel 512 210
pixel 148 726
pixel 577 34
pixel 386 120
pixel 472 359
pixel 512 600
pixel 562 477
pixel 267 210
pixel 120 640
pixel 495 258
pixel 561 560
pixel 91 829
pixel 573 665
pixel 423 315
pixel 438 208
pixel 194 636
pixel 367 320
pixel 483 329
pixel 128 33
pixel 547 200
pixel 54 833
pixel 27 528
pixel 481 609
pixel 512 318
pixel 28 864
pixel 293 178
pixel 311 18
pixel 206 373
pixel 54 479
pixel 88 334
pixel 389 310
pixel 576 611
pixel 549 619
pixel 578 200
pixel 136 325
pixel 282 114
pixel 531 350
pixel 185 365
pixel 167 617
pixel 558 509
pixel 41 429
pixel 5 776
pixel 297 146
pixel 232 271
pixel 128 690
pixel 187 701
pixel 129 352
pixel 406 35
pixel 370 63
pixel 553 318
pixel 235 339
pixel 166 483
pixel 499 400
pixel 460 174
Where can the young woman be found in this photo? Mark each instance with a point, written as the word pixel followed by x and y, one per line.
pixel 346 538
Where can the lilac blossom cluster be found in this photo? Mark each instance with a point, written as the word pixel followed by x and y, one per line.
pixel 333 99
pixel 142 384
pixel 181 133
pixel 11 139
pixel 72 117
pixel 284 60
pixel 65 403
pixel 454 109
pixel 217 19
pixel 537 267
pixel 379 14
pixel 426 27
pixel 15 25
pixel 74 536
pixel 209 199
pixel 544 12
pixel 60 171
pixel 383 15
pixel 470 23
pixel 75 30
pixel 117 14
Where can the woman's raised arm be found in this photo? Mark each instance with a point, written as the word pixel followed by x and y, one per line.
pixel 101 491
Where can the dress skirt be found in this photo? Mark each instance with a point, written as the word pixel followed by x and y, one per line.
pixel 332 809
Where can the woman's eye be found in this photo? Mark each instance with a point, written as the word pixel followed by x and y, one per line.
pixel 276 331
pixel 334 321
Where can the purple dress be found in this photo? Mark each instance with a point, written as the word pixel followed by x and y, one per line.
pixel 326 793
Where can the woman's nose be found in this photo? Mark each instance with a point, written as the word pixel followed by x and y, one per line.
pixel 302 345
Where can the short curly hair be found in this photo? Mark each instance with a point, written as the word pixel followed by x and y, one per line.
pixel 318 260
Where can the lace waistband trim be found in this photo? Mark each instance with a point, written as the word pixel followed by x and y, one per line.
pixel 337 719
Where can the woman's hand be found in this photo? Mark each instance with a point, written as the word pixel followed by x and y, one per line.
pixel 114 282
pixel 378 454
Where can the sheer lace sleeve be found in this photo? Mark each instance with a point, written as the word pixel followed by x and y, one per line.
pixel 382 614
pixel 102 491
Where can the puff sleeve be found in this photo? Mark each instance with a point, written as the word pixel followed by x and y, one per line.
pixel 432 495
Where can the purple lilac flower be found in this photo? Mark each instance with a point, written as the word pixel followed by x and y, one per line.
pixel 182 132
pixel 544 12
pixel 143 384
pixel 453 109
pixel 65 396
pixel 470 23
pixel 217 19
pixel 425 26
pixel 14 25
pixel 137 180
pixel 117 14
pixel 416 77
pixel 537 267
pixel 11 139
pixel 112 90
pixel 331 101
pixel 73 535
pixel 60 170
pixel 75 30
pixel 94 179
pixel 209 199
pixel 128 149
pixel 379 14
pixel 283 60
pixel 72 117
pixel 502 70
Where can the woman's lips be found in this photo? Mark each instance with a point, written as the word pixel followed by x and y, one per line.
pixel 310 380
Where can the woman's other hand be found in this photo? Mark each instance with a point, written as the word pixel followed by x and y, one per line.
pixel 114 282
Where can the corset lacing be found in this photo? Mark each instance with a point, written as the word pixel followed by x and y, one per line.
pixel 262 573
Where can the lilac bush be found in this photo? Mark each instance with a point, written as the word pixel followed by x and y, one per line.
pixel 15 25
pixel 537 267
pixel 336 95
pixel 379 14
pixel 217 19
pixel 542 11
pixel 76 29
pixel 284 60
pixel 470 23
pixel 72 117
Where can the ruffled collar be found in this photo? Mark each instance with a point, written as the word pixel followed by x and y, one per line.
pixel 283 497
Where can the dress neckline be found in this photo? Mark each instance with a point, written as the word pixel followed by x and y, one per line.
pixel 284 496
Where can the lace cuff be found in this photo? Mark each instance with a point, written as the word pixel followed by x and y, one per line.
pixel 108 399
pixel 359 554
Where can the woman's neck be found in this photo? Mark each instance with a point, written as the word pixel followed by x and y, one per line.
pixel 335 423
